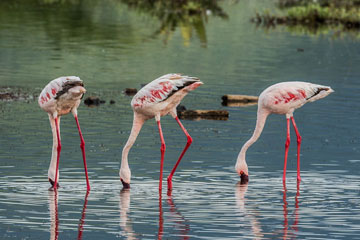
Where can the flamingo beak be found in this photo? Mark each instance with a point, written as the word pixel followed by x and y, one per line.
pixel 125 184
pixel 244 178
pixel 52 184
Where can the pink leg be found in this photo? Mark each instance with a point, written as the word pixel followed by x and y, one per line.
pixel 82 146
pixel 298 148
pixel 58 151
pixel 287 143
pixel 162 149
pixel 189 141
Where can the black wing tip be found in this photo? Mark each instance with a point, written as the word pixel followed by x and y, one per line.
pixel 319 91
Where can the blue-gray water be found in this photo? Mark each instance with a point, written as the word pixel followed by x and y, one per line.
pixel 112 46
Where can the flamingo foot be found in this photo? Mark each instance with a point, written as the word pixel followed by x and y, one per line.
pixel 125 184
pixel 244 178
pixel 52 184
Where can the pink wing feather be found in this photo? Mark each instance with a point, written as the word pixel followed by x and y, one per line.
pixel 160 89
pixel 56 87
pixel 292 95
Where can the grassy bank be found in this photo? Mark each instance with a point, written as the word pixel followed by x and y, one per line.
pixel 313 16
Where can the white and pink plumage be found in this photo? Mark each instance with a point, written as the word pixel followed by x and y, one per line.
pixel 281 98
pixel 62 96
pixel 155 100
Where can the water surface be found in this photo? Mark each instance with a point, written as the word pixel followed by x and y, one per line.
pixel 112 45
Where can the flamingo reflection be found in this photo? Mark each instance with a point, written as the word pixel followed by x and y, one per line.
pixel 175 216
pixel 82 219
pixel 285 211
pixel 54 215
pixel 240 194
pixel 124 207
pixel 179 219
pixel 161 218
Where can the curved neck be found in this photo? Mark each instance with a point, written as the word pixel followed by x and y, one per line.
pixel 137 124
pixel 260 122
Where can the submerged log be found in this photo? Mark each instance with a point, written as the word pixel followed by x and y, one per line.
pixel 14 94
pixel 91 101
pixel 8 96
pixel 238 100
pixel 238 104
pixel 204 114
pixel 130 91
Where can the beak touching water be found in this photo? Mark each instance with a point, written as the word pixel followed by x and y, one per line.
pixel 125 184
pixel 244 178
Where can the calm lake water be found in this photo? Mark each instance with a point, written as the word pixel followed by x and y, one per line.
pixel 113 45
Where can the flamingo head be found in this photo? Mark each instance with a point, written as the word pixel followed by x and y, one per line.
pixel 125 184
pixel 244 178
pixel 125 176
pixel 242 169
pixel 53 183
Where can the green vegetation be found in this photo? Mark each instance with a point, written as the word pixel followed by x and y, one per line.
pixel 323 3
pixel 307 16
pixel 189 15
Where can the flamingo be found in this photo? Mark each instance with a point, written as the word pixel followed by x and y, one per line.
pixel 59 97
pixel 157 99
pixel 281 98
